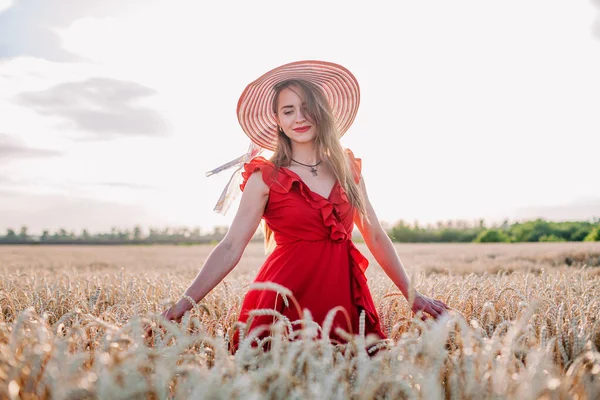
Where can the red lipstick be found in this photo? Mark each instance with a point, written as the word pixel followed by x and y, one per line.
pixel 302 129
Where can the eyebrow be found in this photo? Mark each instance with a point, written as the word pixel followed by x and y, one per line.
pixel 291 106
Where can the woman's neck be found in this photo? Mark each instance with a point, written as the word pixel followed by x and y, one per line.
pixel 305 153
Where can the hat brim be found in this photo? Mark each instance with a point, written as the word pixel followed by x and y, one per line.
pixel 254 111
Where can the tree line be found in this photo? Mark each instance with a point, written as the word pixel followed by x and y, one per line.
pixel 538 230
pixel 167 235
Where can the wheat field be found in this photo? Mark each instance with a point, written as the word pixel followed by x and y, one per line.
pixel 526 325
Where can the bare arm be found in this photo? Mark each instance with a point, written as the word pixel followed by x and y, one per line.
pixel 385 254
pixel 226 255
pixel 380 245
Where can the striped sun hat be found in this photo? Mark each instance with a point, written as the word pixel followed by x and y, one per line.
pixel 254 106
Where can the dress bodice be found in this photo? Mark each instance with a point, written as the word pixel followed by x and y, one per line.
pixel 294 212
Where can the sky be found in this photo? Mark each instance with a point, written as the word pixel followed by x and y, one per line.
pixel 111 112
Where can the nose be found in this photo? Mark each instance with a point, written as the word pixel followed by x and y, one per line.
pixel 300 116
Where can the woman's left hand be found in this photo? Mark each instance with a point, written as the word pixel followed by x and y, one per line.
pixel 435 308
pixel 171 314
pixel 175 312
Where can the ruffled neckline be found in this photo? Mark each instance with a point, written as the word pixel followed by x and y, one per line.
pixel 282 182
pixel 301 181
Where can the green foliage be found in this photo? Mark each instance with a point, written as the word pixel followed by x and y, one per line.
pixel 534 231
pixel 402 233
pixel 581 233
pixel 442 233
pixel 492 236
pixel 531 231
pixel 537 230
pixel 551 238
pixel 594 235
pixel 136 235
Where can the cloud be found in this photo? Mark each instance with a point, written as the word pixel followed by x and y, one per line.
pixel 101 106
pixel 105 191
pixel 29 27
pixel 13 149
pixel 5 5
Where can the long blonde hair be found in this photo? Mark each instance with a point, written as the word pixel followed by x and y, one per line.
pixel 327 143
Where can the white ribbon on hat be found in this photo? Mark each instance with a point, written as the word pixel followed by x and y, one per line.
pixel 232 189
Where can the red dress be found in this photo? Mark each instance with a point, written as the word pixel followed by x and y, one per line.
pixel 315 257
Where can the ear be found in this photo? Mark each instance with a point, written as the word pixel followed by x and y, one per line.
pixel 277 119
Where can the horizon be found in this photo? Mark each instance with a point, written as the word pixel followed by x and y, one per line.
pixel 210 230
pixel 468 110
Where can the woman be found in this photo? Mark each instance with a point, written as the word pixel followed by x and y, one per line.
pixel 309 194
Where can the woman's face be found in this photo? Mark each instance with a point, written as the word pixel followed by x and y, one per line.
pixel 292 118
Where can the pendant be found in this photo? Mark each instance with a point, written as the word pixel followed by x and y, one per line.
pixel 313 170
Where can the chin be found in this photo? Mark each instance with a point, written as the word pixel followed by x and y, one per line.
pixel 304 140
pixel 303 137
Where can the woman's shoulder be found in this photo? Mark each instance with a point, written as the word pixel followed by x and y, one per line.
pixel 276 178
pixel 256 164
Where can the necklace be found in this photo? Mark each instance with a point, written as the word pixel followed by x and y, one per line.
pixel 313 168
